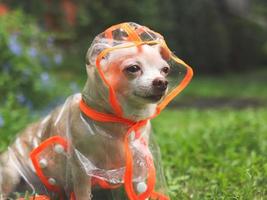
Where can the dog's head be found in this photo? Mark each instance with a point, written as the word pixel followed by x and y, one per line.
pixel 135 63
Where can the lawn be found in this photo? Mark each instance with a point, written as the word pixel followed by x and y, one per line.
pixel 248 84
pixel 214 154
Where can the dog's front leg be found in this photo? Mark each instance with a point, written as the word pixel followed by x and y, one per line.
pixel 81 184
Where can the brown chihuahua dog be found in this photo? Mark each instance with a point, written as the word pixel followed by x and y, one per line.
pixel 100 139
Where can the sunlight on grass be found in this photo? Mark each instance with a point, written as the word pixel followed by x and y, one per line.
pixel 214 154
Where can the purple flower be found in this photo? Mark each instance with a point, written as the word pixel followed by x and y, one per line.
pixel 29 104
pixel 24 101
pixel 45 77
pixel 21 98
pixel 32 52
pixel 14 45
pixel 58 59
pixel 50 42
pixel 2 121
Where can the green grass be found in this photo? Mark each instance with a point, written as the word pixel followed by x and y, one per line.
pixel 214 154
pixel 237 85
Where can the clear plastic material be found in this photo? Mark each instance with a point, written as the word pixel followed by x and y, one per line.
pixel 95 146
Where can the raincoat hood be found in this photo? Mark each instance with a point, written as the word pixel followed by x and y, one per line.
pixel 125 36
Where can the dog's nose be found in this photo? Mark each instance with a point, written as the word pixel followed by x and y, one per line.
pixel 160 84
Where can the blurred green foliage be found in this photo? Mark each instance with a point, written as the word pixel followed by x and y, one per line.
pixel 26 54
pixel 209 34
pixel 12 120
pixel 213 39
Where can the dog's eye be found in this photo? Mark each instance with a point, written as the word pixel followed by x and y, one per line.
pixel 165 70
pixel 133 69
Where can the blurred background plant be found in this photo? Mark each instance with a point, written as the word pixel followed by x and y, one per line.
pixel 27 54
pixel 216 36
pixel 42 53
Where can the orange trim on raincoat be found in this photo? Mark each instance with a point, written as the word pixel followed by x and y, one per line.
pixel 134 126
pixel 35 161
pixel 36 197
pixel 134 40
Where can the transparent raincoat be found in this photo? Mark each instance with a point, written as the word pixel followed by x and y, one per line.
pixel 78 145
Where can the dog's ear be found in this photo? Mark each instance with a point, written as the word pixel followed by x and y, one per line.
pixel 164 52
pixel 93 52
